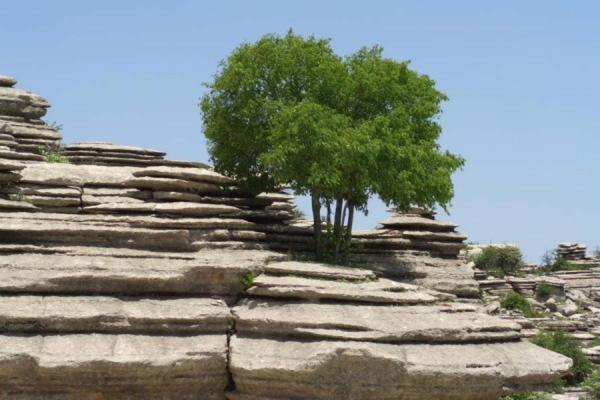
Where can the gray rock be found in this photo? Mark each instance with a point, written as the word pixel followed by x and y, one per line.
pixel 94 366
pixel 7 81
pixel 191 174
pixel 341 370
pixel 78 314
pixel 391 324
pixel 172 184
pixel 17 102
pixel 381 291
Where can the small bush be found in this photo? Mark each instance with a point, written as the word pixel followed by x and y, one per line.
pixel 527 396
pixel 567 345
pixel 592 384
pixel 551 261
pixel 53 154
pixel 516 301
pixel 543 291
pixel 247 279
pixel 499 261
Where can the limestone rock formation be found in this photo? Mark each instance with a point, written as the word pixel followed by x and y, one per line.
pixel 128 276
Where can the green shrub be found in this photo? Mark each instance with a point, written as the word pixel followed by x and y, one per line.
pixel 247 279
pixel 592 384
pixel 516 301
pixel 551 261
pixel 543 291
pixel 499 261
pixel 53 154
pixel 527 396
pixel 567 345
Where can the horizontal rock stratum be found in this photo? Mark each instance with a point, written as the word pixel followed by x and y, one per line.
pixel 125 275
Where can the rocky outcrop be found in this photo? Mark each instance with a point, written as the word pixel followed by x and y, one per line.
pixel 126 275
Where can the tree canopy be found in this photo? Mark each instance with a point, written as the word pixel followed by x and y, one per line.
pixel 288 110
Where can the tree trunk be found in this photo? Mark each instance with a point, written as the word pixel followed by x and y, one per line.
pixel 316 210
pixel 337 221
pixel 340 236
pixel 328 213
pixel 350 222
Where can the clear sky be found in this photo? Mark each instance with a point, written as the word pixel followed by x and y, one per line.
pixel 522 77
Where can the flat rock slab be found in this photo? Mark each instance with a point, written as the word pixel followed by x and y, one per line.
pixel 380 291
pixel 33 231
pixel 15 205
pixel 391 324
pixel 136 221
pixel 6 165
pixel 112 148
pixel 19 103
pixel 56 174
pixel 331 370
pixel 211 273
pixel 319 270
pixel 417 223
pixel 191 174
pixel 96 366
pixel 172 184
pixel 78 314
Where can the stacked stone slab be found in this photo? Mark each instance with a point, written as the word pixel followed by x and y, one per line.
pixel 21 127
pixel 160 281
pixel 571 251
pixel 415 246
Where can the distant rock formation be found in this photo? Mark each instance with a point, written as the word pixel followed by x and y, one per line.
pixel 126 275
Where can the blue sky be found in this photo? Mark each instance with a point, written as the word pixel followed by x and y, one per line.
pixel 522 77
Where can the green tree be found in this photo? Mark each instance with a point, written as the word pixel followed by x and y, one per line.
pixel 288 110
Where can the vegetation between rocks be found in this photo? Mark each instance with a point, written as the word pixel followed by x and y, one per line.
pixel 499 261
pixel 592 384
pixel 247 279
pixel 516 301
pixel 53 154
pixel 567 345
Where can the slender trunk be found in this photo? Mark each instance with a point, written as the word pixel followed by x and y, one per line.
pixel 337 221
pixel 350 221
pixel 316 210
pixel 328 213
pixel 340 236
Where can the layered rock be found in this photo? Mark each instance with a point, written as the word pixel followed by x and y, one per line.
pixel 571 251
pixel 126 275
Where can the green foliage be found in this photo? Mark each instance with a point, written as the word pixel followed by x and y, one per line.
pixel 592 384
pixel 551 261
pixel 247 279
pixel 527 396
pixel 499 261
pixel 516 301
pixel 288 110
pixel 543 291
pixel 565 344
pixel 53 154
pixel 55 125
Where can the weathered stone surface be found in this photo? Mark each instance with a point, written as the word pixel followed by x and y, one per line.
pixel 17 102
pixel 90 200
pixel 13 155
pixel 6 165
pixel 31 231
pixel 95 366
pixel 341 370
pixel 47 201
pixel 318 270
pixel 391 324
pixel 9 177
pixel 15 205
pixel 66 314
pixel 417 223
pixel 109 147
pixel 172 184
pixel 381 291
pixel 76 175
pixel 36 190
pixel 191 174
pixel 22 131
pixel 7 81
pixel 444 275
pixel 194 209
pixel 206 273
